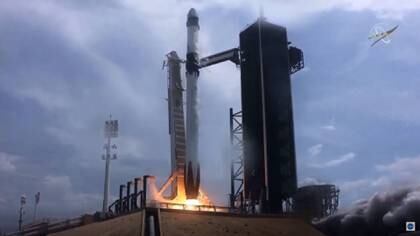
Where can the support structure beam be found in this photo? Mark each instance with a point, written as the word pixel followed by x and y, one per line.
pixel 228 55
pixel 237 162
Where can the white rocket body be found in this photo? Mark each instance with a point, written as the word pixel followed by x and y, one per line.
pixel 192 166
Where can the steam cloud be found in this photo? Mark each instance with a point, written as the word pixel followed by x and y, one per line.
pixel 383 214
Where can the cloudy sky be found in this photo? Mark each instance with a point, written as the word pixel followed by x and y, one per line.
pixel 66 65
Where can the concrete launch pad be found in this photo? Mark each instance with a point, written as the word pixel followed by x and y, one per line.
pixel 184 223
pixel 124 226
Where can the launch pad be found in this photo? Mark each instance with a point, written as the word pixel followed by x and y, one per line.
pixel 264 165
pixel 263 162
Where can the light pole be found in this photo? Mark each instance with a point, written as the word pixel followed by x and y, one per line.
pixel 37 197
pixel 21 211
pixel 111 131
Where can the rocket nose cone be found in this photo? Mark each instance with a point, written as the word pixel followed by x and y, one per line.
pixel 192 19
pixel 192 13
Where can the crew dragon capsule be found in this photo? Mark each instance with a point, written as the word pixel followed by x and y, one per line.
pixel 192 166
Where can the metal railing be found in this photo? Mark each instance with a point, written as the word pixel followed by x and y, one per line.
pixel 45 228
pixel 126 205
pixel 200 208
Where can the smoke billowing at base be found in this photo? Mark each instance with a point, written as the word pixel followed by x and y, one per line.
pixel 383 214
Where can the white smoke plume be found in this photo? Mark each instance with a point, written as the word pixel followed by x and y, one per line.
pixel 383 214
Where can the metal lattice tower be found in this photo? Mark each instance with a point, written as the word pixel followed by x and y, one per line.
pixel 176 113
pixel 237 163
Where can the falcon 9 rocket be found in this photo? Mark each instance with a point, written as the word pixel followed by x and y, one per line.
pixel 192 166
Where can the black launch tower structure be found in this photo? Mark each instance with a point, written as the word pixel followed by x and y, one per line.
pixel 269 162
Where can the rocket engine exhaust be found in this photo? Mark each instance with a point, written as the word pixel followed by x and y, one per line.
pixel 192 166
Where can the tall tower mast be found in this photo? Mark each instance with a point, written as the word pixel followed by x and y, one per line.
pixel 111 131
